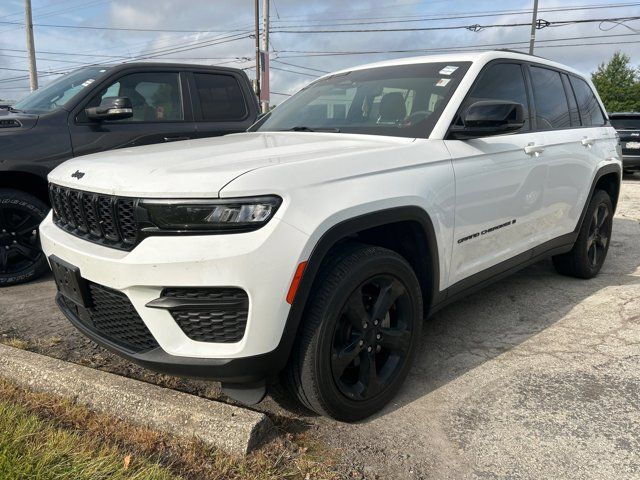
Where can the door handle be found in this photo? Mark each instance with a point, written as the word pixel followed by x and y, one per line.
pixel 176 139
pixel 533 149
pixel 588 142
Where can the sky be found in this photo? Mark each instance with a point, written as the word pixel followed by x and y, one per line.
pixel 218 32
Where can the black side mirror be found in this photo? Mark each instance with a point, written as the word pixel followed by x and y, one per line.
pixel 111 108
pixel 489 117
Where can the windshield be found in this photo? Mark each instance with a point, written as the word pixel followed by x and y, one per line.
pixel 59 92
pixel 400 101
pixel 626 123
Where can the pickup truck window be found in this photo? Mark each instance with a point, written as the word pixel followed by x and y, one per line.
pixel 220 97
pixel 58 93
pixel 400 101
pixel 156 96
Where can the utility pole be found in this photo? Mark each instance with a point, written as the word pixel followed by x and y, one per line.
pixel 264 74
pixel 257 35
pixel 31 49
pixel 534 21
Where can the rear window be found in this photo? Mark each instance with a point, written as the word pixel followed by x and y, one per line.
pixel 590 111
pixel 626 123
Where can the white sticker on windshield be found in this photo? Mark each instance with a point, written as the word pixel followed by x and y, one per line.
pixel 442 82
pixel 448 70
pixel 86 83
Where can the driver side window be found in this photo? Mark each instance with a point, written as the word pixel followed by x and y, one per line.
pixel 155 97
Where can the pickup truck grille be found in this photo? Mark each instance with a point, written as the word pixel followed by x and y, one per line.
pixel 102 219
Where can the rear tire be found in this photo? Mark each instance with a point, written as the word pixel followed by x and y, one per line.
pixel 21 258
pixel 590 250
pixel 359 336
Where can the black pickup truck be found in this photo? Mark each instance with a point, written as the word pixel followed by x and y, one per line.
pixel 102 108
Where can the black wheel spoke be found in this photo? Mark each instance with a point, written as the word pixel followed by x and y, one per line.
pixel 602 241
pixel 389 293
pixel 355 310
pixel 603 214
pixel 369 375
pixel 26 251
pixel 4 259
pixel 4 219
pixel 395 340
pixel 343 358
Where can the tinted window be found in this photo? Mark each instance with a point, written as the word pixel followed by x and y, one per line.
pixel 156 97
pixel 399 100
pixel 220 97
pixel 590 111
pixel 626 123
pixel 573 106
pixel 503 81
pixel 552 110
pixel 60 91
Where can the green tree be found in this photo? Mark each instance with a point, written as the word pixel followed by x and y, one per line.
pixel 618 84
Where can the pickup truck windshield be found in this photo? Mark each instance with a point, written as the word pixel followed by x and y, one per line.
pixel 399 100
pixel 59 92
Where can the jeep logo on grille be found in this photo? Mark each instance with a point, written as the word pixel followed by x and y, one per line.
pixel 78 174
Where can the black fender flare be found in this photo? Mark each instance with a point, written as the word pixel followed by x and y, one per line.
pixel 330 238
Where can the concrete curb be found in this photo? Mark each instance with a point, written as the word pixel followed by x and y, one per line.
pixel 232 429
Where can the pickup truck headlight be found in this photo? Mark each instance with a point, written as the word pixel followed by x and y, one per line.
pixel 210 216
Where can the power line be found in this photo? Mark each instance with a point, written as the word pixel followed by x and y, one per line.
pixel 460 16
pixel 300 66
pixel 475 28
pixel 293 71
pixel 312 53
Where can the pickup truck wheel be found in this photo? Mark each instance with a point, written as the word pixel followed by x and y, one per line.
pixel 590 250
pixel 359 335
pixel 21 258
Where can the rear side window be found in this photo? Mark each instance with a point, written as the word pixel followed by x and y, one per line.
pixel 590 111
pixel 501 81
pixel 552 109
pixel 573 106
pixel 220 97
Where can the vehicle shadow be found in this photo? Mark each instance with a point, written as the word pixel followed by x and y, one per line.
pixel 502 316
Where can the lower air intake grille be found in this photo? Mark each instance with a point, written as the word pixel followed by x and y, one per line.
pixel 113 317
pixel 221 318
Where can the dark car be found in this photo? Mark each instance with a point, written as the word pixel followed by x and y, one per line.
pixel 101 108
pixel 627 124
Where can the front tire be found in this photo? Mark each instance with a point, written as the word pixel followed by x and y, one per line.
pixel 590 250
pixel 21 259
pixel 359 336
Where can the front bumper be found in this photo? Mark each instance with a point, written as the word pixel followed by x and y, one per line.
pixel 262 263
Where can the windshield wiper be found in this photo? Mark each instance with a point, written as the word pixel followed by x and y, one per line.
pixel 302 128
pixel 15 110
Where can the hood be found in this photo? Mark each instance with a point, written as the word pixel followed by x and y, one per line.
pixel 201 168
pixel 12 122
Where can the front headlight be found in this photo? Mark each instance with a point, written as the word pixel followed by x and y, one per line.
pixel 209 216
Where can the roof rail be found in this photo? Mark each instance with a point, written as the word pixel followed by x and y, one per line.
pixel 511 50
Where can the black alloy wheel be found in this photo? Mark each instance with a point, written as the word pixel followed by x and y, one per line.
pixel 599 233
pixel 21 258
pixel 372 337
pixel 359 334
pixel 589 251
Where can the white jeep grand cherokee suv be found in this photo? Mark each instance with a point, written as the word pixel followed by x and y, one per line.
pixel 312 247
